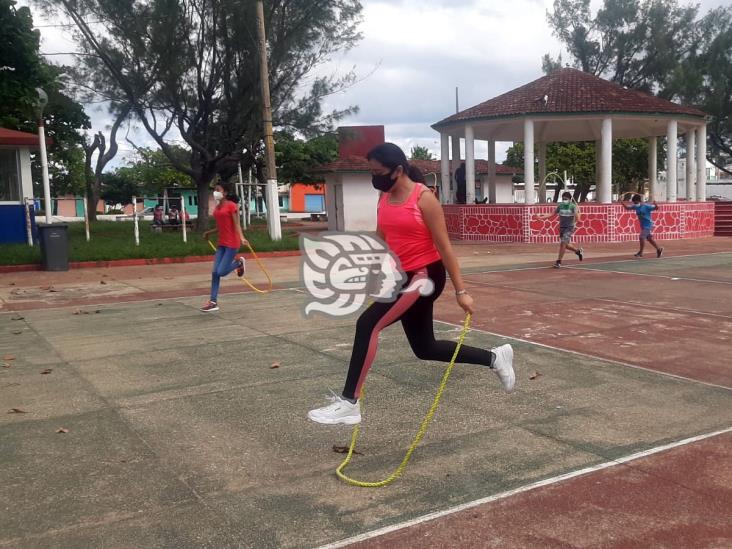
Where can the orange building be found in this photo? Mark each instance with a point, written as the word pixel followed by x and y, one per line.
pixel 307 198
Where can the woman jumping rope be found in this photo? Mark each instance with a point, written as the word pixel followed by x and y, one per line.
pixel 411 221
pixel 231 237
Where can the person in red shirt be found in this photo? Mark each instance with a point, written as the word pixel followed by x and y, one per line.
pixel 410 220
pixel 231 237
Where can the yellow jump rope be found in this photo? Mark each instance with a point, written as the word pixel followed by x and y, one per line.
pixel 261 266
pixel 420 432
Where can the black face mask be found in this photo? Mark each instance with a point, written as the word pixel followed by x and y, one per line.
pixel 383 183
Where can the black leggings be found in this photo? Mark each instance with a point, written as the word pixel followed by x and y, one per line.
pixel 415 312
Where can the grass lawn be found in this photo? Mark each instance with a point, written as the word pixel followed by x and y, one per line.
pixel 115 240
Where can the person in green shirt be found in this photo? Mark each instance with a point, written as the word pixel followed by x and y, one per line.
pixel 569 214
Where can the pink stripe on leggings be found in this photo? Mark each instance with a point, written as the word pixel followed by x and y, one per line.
pixel 401 306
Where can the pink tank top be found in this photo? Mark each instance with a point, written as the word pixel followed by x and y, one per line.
pixel 405 231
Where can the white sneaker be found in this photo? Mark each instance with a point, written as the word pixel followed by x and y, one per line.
pixel 338 411
pixel 503 366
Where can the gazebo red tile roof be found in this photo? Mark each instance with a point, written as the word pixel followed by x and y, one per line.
pixel 569 91
pixel 20 139
pixel 360 164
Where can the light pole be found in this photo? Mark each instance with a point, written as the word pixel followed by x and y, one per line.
pixel 273 207
pixel 41 103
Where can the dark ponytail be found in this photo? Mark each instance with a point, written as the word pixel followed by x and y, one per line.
pixel 415 174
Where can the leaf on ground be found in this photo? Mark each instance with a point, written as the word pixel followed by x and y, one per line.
pixel 274 365
pixel 80 312
pixel 97 311
pixel 11 284
pixel 344 450
pixel 7 365
pixel 47 371
pixel 102 282
pixel 17 332
pixel 17 317
pixel 16 411
pixel 535 375
pixel 62 430
pixel 9 357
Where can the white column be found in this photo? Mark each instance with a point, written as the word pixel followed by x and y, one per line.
pixel 445 168
pixel 653 167
pixel 529 180
pixel 469 165
pixel 701 163
pixel 542 172
pixel 605 194
pixel 598 169
pixel 492 171
pixel 455 164
pixel 690 165
pixel 44 170
pixel 671 180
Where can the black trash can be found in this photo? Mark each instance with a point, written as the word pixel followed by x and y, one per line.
pixel 54 240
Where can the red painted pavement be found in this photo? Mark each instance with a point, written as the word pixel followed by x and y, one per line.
pixel 680 498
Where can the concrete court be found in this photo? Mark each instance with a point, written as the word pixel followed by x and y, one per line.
pixel 180 434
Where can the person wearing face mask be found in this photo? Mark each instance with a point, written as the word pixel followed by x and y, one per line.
pixel 230 238
pixel 569 214
pixel 410 220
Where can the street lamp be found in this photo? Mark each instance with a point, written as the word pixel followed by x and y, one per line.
pixel 40 104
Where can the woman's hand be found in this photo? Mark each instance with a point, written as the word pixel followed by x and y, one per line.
pixel 466 303
pixel 206 234
pixel 244 241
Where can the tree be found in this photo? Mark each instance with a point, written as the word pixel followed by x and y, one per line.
pixel 22 70
pixel 630 164
pixel 635 43
pixel 704 79
pixel 421 153
pixel 205 89
pixel 296 157
pixel 657 46
pixel 153 172
pixel 93 170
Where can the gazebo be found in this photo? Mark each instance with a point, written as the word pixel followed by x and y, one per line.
pixel 570 105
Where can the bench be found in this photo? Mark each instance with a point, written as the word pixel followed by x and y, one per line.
pixel 169 227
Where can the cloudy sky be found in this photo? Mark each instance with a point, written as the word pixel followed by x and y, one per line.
pixel 412 56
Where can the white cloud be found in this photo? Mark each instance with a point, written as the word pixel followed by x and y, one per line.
pixel 413 55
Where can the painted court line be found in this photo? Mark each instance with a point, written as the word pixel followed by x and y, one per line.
pixel 610 262
pixel 578 268
pixel 534 485
pixel 664 309
pixel 593 357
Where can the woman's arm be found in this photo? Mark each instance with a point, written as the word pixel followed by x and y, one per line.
pixel 435 221
pixel 237 224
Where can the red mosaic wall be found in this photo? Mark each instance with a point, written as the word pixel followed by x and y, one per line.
pixel 600 222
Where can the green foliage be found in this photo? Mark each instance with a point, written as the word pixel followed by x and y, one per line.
pixel 296 157
pixel 658 46
pixel 207 84
pixel 22 70
pixel 630 161
pixel 115 240
pixel 421 153
pixel 636 43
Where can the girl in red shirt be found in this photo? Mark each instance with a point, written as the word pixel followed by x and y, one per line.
pixel 231 237
pixel 410 220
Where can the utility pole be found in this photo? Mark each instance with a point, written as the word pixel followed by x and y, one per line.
pixel 273 207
